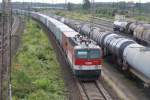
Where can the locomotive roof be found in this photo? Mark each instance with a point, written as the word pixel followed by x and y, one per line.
pixel 90 46
pixel 82 45
pixel 70 33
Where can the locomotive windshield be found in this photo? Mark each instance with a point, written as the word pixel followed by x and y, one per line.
pixel 88 54
pixel 94 54
pixel 83 54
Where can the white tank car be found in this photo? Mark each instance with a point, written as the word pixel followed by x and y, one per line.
pixel 132 27
pixel 138 57
pixel 120 25
pixel 142 32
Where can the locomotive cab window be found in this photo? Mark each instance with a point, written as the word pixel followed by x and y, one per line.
pixel 94 54
pixel 88 54
pixel 83 54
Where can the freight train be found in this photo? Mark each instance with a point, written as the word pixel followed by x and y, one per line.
pixel 131 56
pixel 140 31
pixel 83 54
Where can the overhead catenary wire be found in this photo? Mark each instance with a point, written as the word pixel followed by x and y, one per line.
pixel 92 9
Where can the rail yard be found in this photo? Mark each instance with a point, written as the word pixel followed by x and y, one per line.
pixel 75 23
pixel 68 51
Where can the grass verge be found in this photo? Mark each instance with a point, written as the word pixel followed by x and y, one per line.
pixel 36 74
pixel 81 15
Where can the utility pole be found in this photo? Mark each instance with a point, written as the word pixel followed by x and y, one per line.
pixel 140 10
pixel 93 15
pixel 117 5
pixel 5 51
pixel 66 5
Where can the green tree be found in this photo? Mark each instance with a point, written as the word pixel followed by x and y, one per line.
pixel 122 5
pixel 69 6
pixel 86 4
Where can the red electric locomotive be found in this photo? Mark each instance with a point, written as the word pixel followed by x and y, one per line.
pixel 84 56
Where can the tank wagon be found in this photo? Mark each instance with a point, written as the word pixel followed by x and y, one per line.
pixel 140 31
pixel 131 57
pixel 83 55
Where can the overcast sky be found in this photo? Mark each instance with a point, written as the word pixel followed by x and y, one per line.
pixel 76 1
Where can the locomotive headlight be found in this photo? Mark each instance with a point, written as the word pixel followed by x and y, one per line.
pixel 98 66
pixel 78 67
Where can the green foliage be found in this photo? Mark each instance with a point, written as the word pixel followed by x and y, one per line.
pixel 86 4
pixel 80 14
pixel 60 13
pixel 142 18
pixel 105 12
pixel 108 10
pixel 69 6
pixel 36 74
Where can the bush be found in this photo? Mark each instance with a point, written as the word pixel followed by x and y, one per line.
pixel 36 73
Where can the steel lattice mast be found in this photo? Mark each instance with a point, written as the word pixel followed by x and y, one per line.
pixel 5 50
pixel 92 9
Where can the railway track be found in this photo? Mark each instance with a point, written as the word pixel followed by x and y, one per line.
pixel 93 91
pixel 17 29
pixel 15 25
pixel 100 23
pixel 107 25
pixel 104 22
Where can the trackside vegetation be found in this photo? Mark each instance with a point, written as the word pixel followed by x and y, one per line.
pixel 36 74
